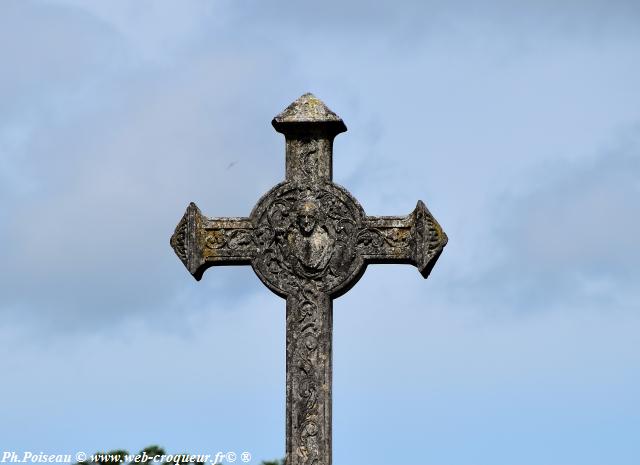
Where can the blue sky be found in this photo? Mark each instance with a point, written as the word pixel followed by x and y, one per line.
pixel 517 124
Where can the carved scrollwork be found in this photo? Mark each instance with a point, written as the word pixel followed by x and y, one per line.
pixel 307 375
pixel 374 240
pixel 308 150
pixel 232 239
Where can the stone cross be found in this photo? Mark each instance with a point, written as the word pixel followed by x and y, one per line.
pixel 309 241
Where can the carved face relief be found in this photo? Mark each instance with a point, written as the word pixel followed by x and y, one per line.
pixel 307 237
pixel 307 213
pixel 311 245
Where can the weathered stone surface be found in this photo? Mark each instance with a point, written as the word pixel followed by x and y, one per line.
pixel 307 109
pixel 309 241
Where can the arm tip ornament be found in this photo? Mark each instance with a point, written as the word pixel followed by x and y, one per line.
pixel 429 239
pixel 184 241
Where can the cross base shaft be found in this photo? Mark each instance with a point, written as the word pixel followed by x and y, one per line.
pixel 309 339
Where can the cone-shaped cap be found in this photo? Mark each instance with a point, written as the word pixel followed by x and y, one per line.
pixel 306 112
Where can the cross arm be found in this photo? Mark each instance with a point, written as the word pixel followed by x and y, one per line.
pixel 202 242
pixel 416 239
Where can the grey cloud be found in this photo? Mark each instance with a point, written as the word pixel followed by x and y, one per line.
pixel 46 49
pixel 403 26
pixel 571 240
pixel 110 170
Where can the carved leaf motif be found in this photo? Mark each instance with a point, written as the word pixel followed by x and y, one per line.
pixel 239 238
pixel 375 238
pixel 215 240
pixel 233 239
pixel 306 377
pixel 308 153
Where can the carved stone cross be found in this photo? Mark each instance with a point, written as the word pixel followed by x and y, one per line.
pixel 309 241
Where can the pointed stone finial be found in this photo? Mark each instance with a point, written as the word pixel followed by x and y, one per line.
pixel 308 112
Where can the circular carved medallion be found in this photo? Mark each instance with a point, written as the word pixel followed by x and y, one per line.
pixel 307 237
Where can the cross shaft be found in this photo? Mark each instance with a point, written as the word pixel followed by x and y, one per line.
pixel 309 241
